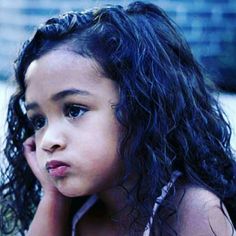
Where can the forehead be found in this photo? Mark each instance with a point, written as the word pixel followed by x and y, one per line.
pixel 57 62
pixel 60 69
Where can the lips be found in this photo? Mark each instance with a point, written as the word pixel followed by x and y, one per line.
pixel 57 168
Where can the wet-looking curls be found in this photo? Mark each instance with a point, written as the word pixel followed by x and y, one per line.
pixel 113 131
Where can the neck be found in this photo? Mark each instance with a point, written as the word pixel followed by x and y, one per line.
pixel 115 201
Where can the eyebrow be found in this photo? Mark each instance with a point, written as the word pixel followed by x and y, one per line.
pixel 69 92
pixel 59 96
pixel 31 106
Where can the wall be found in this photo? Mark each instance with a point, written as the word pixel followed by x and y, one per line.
pixel 208 25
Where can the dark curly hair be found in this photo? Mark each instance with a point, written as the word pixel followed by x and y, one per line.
pixel 172 120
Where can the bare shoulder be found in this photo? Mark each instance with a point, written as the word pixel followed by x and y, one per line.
pixel 200 213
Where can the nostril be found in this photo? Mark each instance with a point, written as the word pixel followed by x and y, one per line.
pixel 51 148
pixel 55 147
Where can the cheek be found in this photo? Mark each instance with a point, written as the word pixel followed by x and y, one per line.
pixel 98 146
pixel 97 151
pixel 103 173
pixel 39 159
pixel 97 131
pixel 39 156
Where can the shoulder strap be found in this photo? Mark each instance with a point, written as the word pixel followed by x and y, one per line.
pixel 81 212
pixel 159 200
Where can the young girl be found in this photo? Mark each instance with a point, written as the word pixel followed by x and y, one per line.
pixel 113 131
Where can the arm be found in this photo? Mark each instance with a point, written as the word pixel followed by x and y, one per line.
pixel 51 217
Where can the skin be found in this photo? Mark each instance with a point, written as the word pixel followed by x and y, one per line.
pixel 86 136
pixel 86 140
pixel 199 213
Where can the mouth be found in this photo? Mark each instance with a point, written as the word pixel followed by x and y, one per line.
pixel 57 168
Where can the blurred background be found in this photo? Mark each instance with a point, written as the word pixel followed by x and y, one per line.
pixel 208 25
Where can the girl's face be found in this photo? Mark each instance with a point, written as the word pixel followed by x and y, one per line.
pixel 70 104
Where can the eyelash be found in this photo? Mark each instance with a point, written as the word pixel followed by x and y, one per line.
pixel 34 121
pixel 79 108
pixel 72 111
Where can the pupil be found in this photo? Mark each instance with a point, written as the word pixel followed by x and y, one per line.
pixel 40 123
pixel 74 111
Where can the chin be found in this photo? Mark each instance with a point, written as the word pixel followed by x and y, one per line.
pixel 71 193
pixel 68 193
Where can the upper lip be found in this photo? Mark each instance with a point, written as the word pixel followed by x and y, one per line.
pixel 54 164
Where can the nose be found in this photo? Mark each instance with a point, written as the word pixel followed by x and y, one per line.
pixel 53 139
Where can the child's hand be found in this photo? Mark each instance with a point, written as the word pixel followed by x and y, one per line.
pixel 30 154
pixel 52 214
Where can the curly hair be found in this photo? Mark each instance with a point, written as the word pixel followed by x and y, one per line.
pixel 171 118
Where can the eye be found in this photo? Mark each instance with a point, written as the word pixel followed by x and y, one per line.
pixel 37 121
pixel 74 110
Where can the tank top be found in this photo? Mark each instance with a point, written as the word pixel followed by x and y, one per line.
pixel 93 199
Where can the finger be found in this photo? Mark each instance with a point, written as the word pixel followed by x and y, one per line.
pixel 29 151
pixel 29 143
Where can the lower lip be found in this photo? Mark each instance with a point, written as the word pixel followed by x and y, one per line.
pixel 59 171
